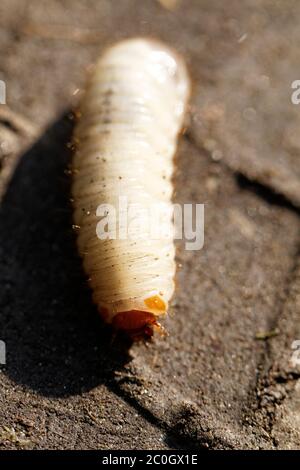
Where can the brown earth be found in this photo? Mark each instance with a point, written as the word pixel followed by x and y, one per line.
pixel 224 377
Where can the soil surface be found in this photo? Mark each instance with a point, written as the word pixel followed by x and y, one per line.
pixel 227 375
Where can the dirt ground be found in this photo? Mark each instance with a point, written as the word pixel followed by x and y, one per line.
pixel 224 377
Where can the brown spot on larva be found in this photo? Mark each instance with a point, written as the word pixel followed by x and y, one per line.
pixel 108 93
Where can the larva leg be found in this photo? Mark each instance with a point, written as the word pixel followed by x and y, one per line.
pixel 130 117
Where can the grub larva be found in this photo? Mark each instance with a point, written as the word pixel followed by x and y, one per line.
pixel 125 138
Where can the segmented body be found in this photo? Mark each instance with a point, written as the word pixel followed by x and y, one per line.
pixel 130 117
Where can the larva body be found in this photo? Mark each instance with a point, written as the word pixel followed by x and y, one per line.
pixel 129 120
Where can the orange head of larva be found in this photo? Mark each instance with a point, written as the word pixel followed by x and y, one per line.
pixel 137 324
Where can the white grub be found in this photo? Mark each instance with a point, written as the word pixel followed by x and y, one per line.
pixel 130 117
